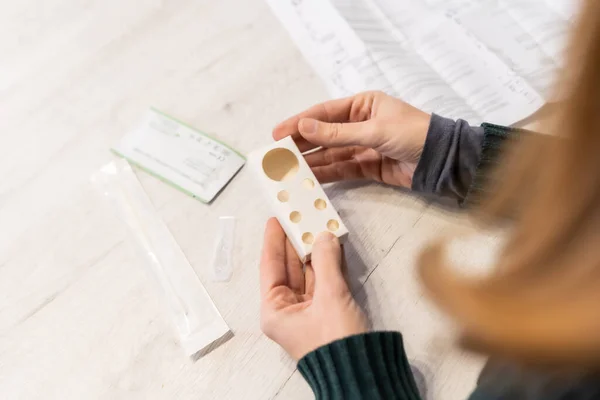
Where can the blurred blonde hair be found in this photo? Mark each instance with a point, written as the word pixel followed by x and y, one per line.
pixel 542 302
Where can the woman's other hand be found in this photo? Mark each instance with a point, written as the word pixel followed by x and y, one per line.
pixel 303 311
pixel 370 135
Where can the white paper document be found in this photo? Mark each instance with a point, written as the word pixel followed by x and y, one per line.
pixel 180 155
pixel 492 60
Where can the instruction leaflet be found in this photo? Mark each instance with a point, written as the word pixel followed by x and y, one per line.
pixel 180 155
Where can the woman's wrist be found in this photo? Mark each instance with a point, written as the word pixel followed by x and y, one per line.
pixel 449 159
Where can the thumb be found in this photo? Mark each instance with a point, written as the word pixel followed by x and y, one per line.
pixel 327 264
pixel 337 134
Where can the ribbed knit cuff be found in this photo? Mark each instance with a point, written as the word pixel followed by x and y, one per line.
pixel 368 366
pixel 494 138
pixel 449 159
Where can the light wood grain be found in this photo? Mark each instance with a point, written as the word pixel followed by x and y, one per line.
pixel 79 316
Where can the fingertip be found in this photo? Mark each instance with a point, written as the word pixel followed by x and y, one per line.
pixel 327 264
pixel 276 133
pixel 273 231
pixel 307 126
pixel 279 132
pixel 326 245
pixel 285 128
pixel 326 237
pixel 274 242
pixel 272 263
pixel 273 224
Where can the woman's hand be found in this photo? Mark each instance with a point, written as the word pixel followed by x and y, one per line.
pixel 303 311
pixel 369 135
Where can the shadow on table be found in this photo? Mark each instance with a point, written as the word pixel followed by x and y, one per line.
pixel 422 375
pixel 358 272
pixel 355 268
pixel 443 203
pixel 214 345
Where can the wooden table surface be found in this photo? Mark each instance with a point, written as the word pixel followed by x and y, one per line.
pixel 80 317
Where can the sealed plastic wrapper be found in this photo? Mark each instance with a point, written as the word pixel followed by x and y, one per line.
pixel 222 258
pixel 196 318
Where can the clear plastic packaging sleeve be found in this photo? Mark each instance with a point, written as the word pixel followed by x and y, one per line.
pixel 222 258
pixel 197 320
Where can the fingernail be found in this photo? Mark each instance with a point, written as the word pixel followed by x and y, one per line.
pixel 325 237
pixel 308 126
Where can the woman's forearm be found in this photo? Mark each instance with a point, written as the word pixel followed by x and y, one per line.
pixel 457 158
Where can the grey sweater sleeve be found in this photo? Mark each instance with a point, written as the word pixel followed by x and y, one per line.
pixel 450 158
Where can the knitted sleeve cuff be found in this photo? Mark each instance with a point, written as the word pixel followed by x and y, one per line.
pixel 494 138
pixel 367 366
pixel 450 156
